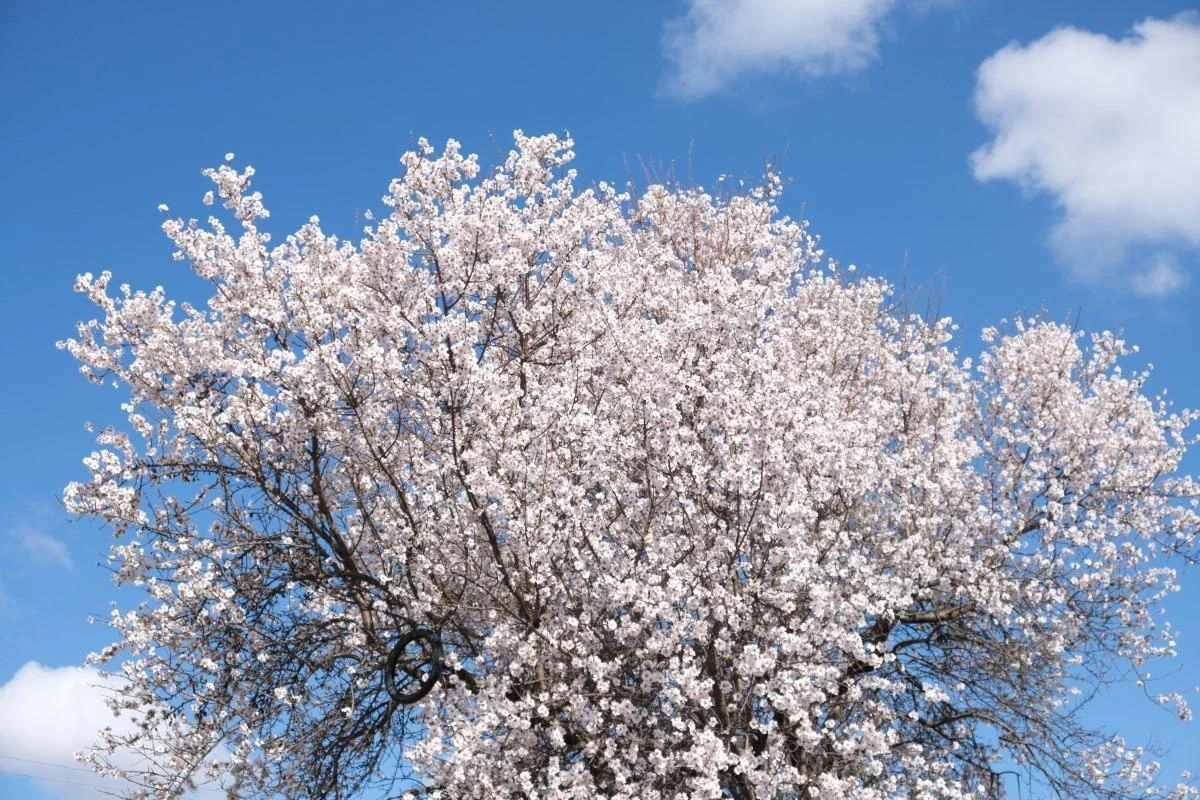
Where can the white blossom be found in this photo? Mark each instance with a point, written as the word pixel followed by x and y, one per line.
pixel 691 514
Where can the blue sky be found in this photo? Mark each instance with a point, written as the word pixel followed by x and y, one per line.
pixel 1014 156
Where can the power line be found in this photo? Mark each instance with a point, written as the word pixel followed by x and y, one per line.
pixel 44 763
pixel 99 785
pixel 6 771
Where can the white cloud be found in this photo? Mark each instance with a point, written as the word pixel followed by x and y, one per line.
pixel 1109 129
pixel 28 533
pixel 46 716
pixel 719 40
pixel 1159 277
pixel 41 546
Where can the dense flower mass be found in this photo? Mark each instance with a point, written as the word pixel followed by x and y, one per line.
pixel 689 513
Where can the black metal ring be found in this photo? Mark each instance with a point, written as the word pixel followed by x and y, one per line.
pixel 424 680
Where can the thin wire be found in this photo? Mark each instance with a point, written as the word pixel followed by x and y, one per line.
pixel 4 771
pixel 202 789
pixel 44 763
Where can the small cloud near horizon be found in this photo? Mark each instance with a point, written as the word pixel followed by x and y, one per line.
pixel 47 715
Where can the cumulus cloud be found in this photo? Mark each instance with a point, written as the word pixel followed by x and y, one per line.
pixel 46 716
pixel 719 40
pixel 1108 128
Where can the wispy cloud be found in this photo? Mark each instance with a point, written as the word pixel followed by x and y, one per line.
pixel 1108 128
pixel 30 536
pixel 717 41
pixel 1159 277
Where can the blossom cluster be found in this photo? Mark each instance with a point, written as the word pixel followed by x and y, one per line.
pixel 692 512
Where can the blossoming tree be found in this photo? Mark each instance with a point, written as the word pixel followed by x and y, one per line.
pixel 661 506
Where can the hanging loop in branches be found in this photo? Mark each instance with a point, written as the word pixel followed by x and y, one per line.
pixel 413 666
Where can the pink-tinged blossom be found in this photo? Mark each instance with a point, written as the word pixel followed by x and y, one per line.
pixel 692 514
